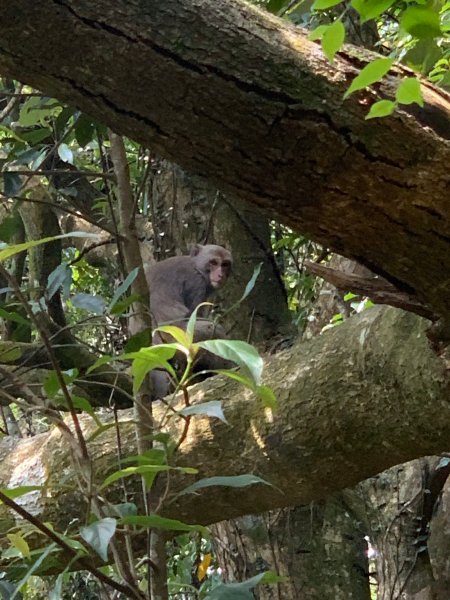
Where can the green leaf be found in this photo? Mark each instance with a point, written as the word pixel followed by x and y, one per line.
pixel 9 251
pixel 123 287
pixel 332 39
pixel 93 304
pixel 26 157
pixel 34 567
pixel 52 385
pixel 14 317
pixel 124 509
pixel 84 130
pixel 59 277
pixel 421 22
pixel 19 543
pixel 56 593
pixel 248 288
pixel 267 396
pixel 371 73
pixel 423 56
pixel 122 305
pixel 9 226
pixel 317 33
pixel 409 91
pixel 103 360
pixel 382 108
pixel 190 328
pixel 157 522
pixel 324 4
pixel 241 591
pixel 16 492
pixel 8 354
pixel 178 334
pixel 34 112
pixel 144 470
pixel 147 359
pixel 99 534
pixel 239 352
pixel 139 340
pixel 65 153
pixel 210 409
pixel 36 135
pixel 11 184
pixel 371 9
pixel 236 481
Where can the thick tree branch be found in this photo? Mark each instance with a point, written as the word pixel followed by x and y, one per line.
pixel 364 396
pixel 376 288
pixel 243 99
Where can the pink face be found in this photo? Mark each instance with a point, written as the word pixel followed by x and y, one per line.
pixel 214 261
pixel 219 271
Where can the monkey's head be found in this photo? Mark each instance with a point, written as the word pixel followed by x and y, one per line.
pixel 214 262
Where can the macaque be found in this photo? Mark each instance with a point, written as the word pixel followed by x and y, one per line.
pixel 177 286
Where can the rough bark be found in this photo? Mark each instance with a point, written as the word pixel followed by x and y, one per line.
pixel 360 398
pixel 399 507
pixel 247 101
pixel 320 548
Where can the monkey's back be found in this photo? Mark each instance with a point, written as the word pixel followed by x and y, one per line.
pixel 176 288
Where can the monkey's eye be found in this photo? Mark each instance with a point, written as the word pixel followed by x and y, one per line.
pixel 213 262
pixel 226 264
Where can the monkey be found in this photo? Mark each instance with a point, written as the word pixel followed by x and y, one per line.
pixel 177 286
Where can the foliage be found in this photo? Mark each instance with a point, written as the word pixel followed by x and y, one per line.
pixel 416 34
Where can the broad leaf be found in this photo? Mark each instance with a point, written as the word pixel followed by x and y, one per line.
pixel 383 108
pixel 123 287
pixel 236 481
pixel 145 470
pixel 99 534
pixel 14 493
pixel 332 39
pixel 267 396
pixel 14 317
pixel 210 409
pixel 19 543
pixel 371 73
pixel 324 4
pixel 371 9
pixel 147 359
pixel 421 22
pixel 409 91
pixel 11 184
pixel 65 153
pixel 8 227
pixel 93 304
pixel 9 251
pixel 52 384
pixel 317 33
pixel 155 521
pixel 241 353
pixel 241 591
pixel 59 277
pixel 178 334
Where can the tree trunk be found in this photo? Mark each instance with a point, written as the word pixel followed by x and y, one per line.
pixel 238 96
pixel 360 398
pixel 187 210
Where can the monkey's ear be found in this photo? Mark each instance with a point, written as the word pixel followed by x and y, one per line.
pixel 195 249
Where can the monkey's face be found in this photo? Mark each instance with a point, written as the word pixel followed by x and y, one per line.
pixel 219 271
pixel 214 261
